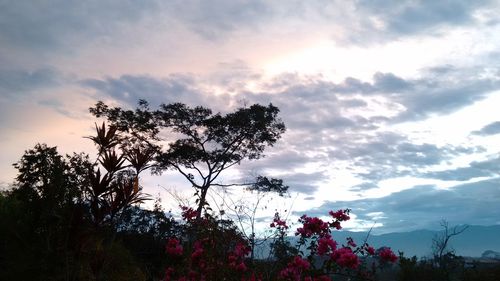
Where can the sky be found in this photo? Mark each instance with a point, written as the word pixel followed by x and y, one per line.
pixel 391 107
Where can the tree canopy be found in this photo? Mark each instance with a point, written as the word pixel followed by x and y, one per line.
pixel 204 143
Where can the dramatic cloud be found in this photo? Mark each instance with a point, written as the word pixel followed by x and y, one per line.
pixel 424 206
pixel 487 168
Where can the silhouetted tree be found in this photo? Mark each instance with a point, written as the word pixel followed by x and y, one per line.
pixel 208 143
pixel 118 188
pixel 40 216
pixel 440 242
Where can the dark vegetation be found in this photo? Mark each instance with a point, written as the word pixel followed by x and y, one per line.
pixel 73 218
pixel 78 217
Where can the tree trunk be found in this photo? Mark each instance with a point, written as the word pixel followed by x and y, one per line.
pixel 201 203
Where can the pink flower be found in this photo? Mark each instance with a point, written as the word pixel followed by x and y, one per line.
pixel 294 269
pixel 312 226
pixel 197 252
pixel 188 213
pixel 340 215
pixel 386 255
pixel 278 223
pixel 370 250
pixel 174 247
pixel 344 257
pixel 336 225
pixel 281 223
pixel 237 256
pixel 326 244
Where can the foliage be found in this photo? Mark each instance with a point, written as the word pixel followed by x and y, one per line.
pixel 112 191
pixel 413 269
pixel 59 219
pixel 39 215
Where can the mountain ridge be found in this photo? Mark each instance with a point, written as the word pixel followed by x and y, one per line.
pixel 473 242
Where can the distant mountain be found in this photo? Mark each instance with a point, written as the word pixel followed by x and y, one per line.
pixel 473 242
pixel 491 255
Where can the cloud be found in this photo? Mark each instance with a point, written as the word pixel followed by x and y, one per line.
pixel 233 76
pixel 214 20
pixel 305 183
pixel 281 156
pixel 389 83
pixel 475 169
pixel 440 90
pixel 388 20
pixel 56 27
pixel 490 129
pixel 15 83
pixel 69 32
pixel 129 89
pixel 388 154
pixel 358 22
pixel 49 25
pixel 444 97
pixel 52 26
pixel 424 206
pixel 420 16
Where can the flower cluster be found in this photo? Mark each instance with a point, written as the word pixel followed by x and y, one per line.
pixel 386 255
pixel 174 248
pixel 315 234
pixel 369 249
pixel 219 257
pixel 278 223
pixel 345 257
pixel 237 257
pixel 294 269
pixel 326 245
pixel 312 226
pixel 197 252
pixel 188 213
pixel 339 216
pixel 168 274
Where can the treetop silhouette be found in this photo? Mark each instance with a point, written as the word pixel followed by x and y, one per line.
pixel 204 144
